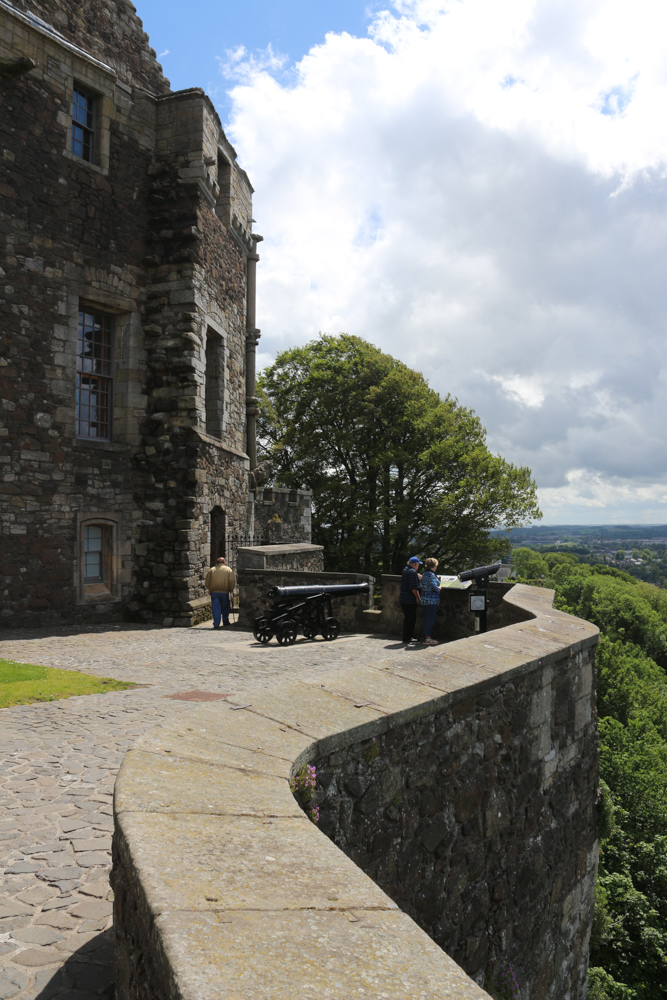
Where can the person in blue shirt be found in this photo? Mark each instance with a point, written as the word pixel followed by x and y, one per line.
pixel 409 597
pixel 430 599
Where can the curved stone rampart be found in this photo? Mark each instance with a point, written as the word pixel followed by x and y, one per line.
pixel 463 783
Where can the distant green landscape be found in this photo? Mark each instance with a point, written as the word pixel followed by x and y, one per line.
pixel 628 958
pixel 638 549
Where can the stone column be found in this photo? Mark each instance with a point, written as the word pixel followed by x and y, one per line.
pixel 252 336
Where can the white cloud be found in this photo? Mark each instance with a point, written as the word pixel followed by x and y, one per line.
pixel 479 189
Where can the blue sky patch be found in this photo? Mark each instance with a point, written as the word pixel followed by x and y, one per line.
pixel 616 100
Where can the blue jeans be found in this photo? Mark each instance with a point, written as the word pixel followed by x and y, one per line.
pixel 429 618
pixel 220 607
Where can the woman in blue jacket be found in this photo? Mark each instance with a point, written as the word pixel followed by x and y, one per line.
pixel 430 599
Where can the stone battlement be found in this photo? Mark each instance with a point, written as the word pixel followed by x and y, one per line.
pixel 457 829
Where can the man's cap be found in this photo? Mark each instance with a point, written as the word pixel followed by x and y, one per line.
pixel 414 559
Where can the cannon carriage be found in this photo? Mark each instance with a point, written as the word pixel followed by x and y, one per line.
pixel 303 609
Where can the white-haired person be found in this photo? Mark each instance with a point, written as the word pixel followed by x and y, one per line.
pixel 430 599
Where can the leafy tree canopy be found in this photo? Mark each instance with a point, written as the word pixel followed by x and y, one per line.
pixel 629 935
pixel 623 607
pixel 529 565
pixel 393 467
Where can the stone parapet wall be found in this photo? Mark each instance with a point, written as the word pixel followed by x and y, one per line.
pixel 460 787
pixel 453 620
pixel 263 567
pixel 254 586
pixel 478 820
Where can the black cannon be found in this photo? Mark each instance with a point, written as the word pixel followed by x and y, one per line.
pixel 305 609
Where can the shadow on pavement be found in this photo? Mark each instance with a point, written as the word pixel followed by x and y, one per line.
pixel 46 631
pixel 87 973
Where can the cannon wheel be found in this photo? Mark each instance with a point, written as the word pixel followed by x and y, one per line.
pixel 262 630
pixel 287 633
pixel 308 631
pixel 331 628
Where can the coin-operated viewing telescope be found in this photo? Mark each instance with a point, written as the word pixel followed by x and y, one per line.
pixel 477 598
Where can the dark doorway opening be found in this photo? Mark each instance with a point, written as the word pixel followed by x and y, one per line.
pixel 218 534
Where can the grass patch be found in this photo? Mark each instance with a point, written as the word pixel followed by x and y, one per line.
pixel 23 683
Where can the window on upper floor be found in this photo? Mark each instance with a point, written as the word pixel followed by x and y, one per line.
pixel 223 205
pixel 94 375
pixel 83 124
pixel 214 387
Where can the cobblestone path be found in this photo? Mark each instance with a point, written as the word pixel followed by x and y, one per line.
pixel 58 762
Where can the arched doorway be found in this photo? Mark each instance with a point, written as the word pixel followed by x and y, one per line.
pixel 218 534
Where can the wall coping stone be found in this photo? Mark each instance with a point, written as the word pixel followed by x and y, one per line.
pixel 216 442
pixel 240 894
pixel 286 549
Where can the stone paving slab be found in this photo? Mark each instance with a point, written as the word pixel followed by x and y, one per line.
pixel 59 760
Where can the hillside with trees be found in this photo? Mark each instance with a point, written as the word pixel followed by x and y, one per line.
pixel 628 958
pixel 639 549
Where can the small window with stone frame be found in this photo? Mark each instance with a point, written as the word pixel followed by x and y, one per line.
pixel 94 374
pixel 214 385
pixel 96 561
pixel 83 123
pixel 223 205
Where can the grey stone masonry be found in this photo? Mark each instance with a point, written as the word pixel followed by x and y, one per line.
pixel 280 514
pixel 456 793
pixel 153 233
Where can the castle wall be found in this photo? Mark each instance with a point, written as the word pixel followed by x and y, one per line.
pixel 280 515
pixel 457 830
pixel 154 233
pixel 109 30
pixel 479 820
pixel 69 233
pixel 196 292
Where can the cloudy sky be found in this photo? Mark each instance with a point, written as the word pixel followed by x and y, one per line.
pixel 479 188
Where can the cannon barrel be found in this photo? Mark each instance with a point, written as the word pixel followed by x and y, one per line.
pixel 479 572
pixel 332 589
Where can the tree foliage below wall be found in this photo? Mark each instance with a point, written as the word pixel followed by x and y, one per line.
pixel 629 939
pixel 392 466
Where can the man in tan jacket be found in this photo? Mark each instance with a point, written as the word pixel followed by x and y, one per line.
pixel 220 583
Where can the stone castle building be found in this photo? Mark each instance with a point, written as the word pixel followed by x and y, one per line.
pixel 128 336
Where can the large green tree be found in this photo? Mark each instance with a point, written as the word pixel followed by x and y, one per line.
pixel 392 466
